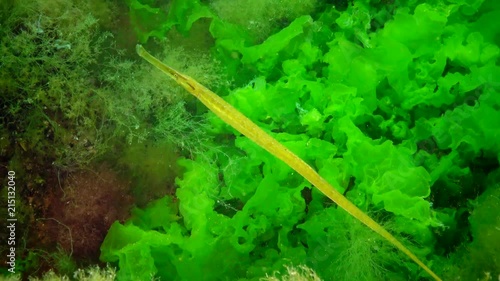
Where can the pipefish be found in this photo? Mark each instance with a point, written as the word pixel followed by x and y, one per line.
pixel 245 126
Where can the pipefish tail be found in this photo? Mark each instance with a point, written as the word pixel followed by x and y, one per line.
pixel 242 124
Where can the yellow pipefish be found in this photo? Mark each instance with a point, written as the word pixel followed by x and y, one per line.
pixel 245 126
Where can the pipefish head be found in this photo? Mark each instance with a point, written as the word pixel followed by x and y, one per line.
pixel 185 81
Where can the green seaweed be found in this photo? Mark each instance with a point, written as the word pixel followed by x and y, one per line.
pixel 394 103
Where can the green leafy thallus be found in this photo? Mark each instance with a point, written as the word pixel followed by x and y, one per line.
pixel 242 124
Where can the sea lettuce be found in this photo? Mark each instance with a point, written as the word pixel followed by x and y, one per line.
pixel 154 22
pixel 396 105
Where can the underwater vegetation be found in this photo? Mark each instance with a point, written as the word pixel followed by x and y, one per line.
pixel 396 104
pixel 72 129
pixel 396 107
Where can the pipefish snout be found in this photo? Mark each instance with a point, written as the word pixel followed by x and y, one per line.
pixel 242 124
